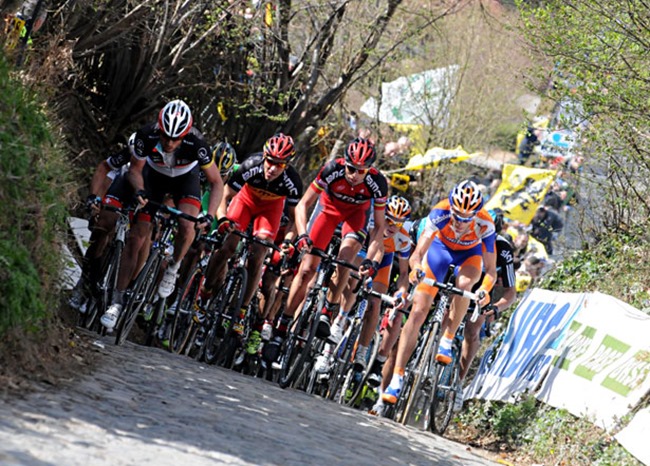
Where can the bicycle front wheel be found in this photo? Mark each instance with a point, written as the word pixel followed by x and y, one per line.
pixel 297 346
pixel 142 292
pixel 446 378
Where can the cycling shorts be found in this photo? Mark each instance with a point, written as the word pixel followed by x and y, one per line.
pixel 326 218
pixel 183 189
pixel 120 193
pixel 383 272
pixel 266 216
pixel 439 257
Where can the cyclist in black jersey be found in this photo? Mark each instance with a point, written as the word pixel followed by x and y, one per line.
pixel 167 158
pixel 103 191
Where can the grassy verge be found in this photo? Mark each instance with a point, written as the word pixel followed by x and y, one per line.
pixel 530 432
pixel 32 173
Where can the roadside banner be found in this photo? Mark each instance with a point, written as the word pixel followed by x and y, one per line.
pixel 601 368
pixel 524 355
pixel 521 191
pixel 433 157
pixel 634 437
pixel 417 99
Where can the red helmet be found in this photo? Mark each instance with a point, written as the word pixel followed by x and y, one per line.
pixel 466 198
pixel 360 153
pixel 280 147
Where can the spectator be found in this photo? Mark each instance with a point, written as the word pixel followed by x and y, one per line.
pixel 532 138
pixel 544 227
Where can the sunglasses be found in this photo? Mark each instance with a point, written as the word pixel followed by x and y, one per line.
pixel 276 163
pixel 167 138
pixel 353 169
pixel 393 223
pixel 461 219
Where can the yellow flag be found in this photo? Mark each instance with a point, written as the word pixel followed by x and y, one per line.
pixel 268 14
pixel 221 110
pixel 435 155
pixel 521 191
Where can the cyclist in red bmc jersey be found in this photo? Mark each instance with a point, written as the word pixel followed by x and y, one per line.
pixel 167 159
pixel 344 188
pixel 257 193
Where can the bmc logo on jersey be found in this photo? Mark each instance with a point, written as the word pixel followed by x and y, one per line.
pixel 334 176
pixel 374 186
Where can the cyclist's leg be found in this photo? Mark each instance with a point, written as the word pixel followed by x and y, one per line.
pixel 469 272
pixel 471 343
pixel 266 224
pixel 240 213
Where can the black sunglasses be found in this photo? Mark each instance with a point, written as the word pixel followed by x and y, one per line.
pixel 353 169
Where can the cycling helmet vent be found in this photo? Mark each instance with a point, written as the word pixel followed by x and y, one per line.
pixel 175 119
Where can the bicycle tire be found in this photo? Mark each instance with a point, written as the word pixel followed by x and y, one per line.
pixel 141 292
pixel 296 347
pixel 222 314
pixel 183 322
pixel 374 350
pixel 234 298
pixel 442 403
pixel 420 374
pixel 341 378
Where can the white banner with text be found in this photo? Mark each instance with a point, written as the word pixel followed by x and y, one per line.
pixel 601 368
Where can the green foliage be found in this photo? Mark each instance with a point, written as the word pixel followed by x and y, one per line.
pixel 542 434
pixel 617 264
pixel 32 176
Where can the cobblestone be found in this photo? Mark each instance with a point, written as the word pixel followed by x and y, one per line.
pixel 146 406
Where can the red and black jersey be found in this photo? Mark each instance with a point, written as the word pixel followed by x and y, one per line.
pixel 192 151
pixel 250 174
pixel 331 181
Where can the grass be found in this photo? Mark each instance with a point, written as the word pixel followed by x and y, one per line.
pixel 32 172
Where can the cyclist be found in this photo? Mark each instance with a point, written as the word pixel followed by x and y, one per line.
pixel 344 188
pixel 456 230
pixel 167 158
pixel 396 243
pixel 225 158
pixel 104 190
pixel 502 296
pixel 256 194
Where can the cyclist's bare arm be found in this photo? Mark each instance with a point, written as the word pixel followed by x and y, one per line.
pixel 228 193
pixel 134 175
pixel 291 214
pixel 376 239
pixel 98 185
pixel 420 250
pixel 302 209
pixel 490 265
pixel 216 186
pixel 403 279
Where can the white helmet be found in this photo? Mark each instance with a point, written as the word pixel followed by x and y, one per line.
pixel 175 119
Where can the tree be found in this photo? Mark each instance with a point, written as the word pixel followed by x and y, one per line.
pixel 600 51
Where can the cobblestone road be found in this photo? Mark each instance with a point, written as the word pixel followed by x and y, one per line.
pixel 146 406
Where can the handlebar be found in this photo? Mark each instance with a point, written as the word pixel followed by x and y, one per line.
pixel 333 260
pixel 451 289
pixel 255 239
pixel 172 211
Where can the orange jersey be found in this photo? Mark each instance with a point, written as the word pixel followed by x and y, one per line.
pixel 481 229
